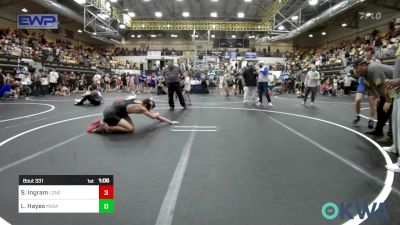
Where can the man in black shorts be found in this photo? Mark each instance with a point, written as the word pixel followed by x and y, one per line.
pixel 116 117
pixel 94 96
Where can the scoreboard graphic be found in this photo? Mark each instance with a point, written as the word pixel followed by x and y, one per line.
pixel 66 194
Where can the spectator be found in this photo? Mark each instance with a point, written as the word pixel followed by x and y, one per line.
pixel 250 83
pixel 36 84
pixel 347 83
pixel 44 85
pixel 53 80
pixel 311 83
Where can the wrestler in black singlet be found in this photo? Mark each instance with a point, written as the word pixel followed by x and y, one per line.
pixel 117 111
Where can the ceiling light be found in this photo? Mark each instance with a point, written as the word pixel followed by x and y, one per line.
pixel 81 2
pixel 179 0
pixel 139 36
pixel 323 33
pixel 113 0
pixel 79 31
pixel 132 35
pixel 212 35
pixel 142 25
pixel 185 14
pixel 214 0
pixel 153 36
pixel 94 33
pixel 103 16
pixel 233 36
pixel 24 10
pixel 344 24
pixel 310 35
pixel 240 14
pixel 312 2
pixel 247 0
pixel 281 27
pixel 131 14
pixel 55 4
pixel 294 18
pixel 174 35
pixel 158 14
pixel 126 18
pixel 146 0
pixel 122 26
pixel 214 14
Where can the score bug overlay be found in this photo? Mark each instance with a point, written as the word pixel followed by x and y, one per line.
pixel 66 194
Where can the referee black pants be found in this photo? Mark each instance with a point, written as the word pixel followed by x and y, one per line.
pixel 175 87
pixel 383 117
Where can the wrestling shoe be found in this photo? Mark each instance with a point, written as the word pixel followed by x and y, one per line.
pixel 393 167
pixel 389 149
pixel 371 124
pixel 356 120
pixel 96 125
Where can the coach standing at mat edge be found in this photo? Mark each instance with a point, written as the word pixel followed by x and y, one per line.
pixel 172 75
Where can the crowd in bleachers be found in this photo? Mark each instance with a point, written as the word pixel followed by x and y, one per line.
pixel 30 45
pixel 63 84
pixel 385 45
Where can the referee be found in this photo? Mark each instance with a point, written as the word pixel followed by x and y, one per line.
pixel 172 75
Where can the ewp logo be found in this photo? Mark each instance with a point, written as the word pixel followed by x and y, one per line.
pixel 37 21
pixel 331 211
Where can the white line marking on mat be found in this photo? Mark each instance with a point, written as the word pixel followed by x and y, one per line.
pixel 385 192
pixel 47 125
pixel 346 161
pixel 366 117
pixel 52 107
pixel 3 222
pixel 324 102
pixel 49 100
pixel 241 102
pixel 382 196
pixel 205 127
pixel 24 123
pixel 195 130
pixel 168 206
pixel 43 126
pixel 40 153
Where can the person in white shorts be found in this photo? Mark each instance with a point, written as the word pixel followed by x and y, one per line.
pixel 187 87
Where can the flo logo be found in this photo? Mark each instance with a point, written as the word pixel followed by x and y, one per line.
pixel 370 15
pixel 331 211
